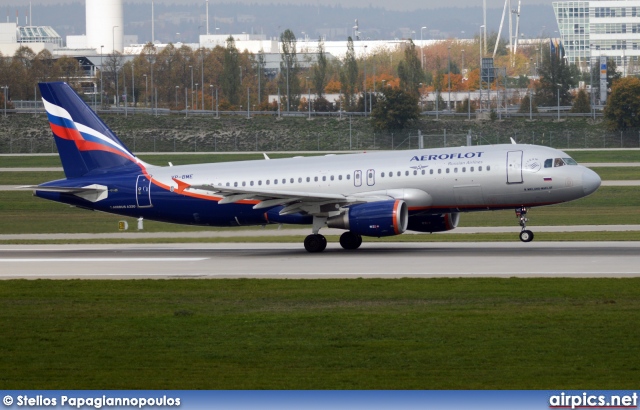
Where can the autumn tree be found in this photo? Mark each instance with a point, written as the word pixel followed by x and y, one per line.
pixel 581 102
pixel 623 105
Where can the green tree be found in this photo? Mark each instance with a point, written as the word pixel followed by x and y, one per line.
pixel 289 70
pixel 623 106
pixel 349 76
pixel 581 102
pixel 464 107
pixel 555 75
pixel 395 109
pixel 527 105
pixel 230 78
pixel 410 71
pixel 319 70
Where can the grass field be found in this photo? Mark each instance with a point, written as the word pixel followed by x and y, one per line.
pixel 324 334
pixel 20 212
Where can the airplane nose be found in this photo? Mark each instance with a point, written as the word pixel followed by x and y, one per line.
pixel 590 181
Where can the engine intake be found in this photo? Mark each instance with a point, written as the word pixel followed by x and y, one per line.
pixel 384 218
pixel 433 223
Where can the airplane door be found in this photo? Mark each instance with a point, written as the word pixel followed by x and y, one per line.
pixel 357 178
pixel 371 177
pixel 514 167
pixel 143 192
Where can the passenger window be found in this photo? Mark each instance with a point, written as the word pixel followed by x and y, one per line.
pixel 235 184
pixel 348 176
pixel 227 184
pixel 340 177
pixel 260 182
pixel 275 182
pixel 439 171
pixel 488 167
pixel 464 169
pixel 480 168
pixel 299 180
pixel 406 173
pixel 415 172
pixel 471 169
pixel 548 163
pixel 268 181
pixel 291 180
pixel 324 178
pixel 431 172
pixel 315 179
pixel 308 179
pixel 390 174
pixel 447 170
pixel 399 173
pixel 251 183
pixel 423 172
pixel 331 177
pixel 455 170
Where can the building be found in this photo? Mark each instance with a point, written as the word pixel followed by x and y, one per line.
pixel 590 29
pixel 38 38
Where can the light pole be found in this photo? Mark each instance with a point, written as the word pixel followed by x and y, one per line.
pixel 133 86
pixel 364 64
pixel 248 103
pixel 422 48
pixel 480 68
pixel 195 107
pixel 449 59
pixel 101 47
pixel 191 68
pixel 202 73
pixel 146 90
pixel 558 102
pixel 177 87
pixel 211 87
pixel 113 51
pixel 5 88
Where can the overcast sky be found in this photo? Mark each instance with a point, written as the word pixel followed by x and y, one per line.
pixel 390 5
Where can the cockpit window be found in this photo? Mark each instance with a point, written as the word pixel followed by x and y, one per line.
pixel 570 161
pixel 558 162
pixel 548 163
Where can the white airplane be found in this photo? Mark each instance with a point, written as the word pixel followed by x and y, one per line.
pixel 367 194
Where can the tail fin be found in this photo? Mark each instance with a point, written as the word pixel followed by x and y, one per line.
pixel 85 143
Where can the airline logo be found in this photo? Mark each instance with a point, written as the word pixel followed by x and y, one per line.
pixel 85 138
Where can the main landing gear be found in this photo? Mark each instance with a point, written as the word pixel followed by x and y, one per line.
pixel 525 234
pixel 317 243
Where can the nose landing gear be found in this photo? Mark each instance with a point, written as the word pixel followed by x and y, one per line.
pixel 525 234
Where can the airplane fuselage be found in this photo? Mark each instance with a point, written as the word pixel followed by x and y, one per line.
pixel 430 181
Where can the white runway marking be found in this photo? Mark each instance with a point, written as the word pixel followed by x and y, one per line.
pixel 36 260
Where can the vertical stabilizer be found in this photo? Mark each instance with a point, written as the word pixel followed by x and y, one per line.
pixel 85 143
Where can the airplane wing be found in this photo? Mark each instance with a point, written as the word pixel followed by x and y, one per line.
pixel 313 203
pixel 93 193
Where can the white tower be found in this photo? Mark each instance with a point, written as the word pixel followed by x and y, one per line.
pixel 105 25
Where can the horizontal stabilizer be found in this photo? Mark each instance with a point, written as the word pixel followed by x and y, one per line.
pixel 92 193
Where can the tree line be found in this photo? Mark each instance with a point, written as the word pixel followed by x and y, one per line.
pixel 378 81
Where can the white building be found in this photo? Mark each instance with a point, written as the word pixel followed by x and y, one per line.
pixel 590 29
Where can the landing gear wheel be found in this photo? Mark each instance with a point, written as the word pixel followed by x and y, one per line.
pixel 526 235
pixel 315 243
pixel 350 241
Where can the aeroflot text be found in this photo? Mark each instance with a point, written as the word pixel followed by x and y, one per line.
pixel 455 155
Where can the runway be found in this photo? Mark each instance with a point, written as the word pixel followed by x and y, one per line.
pixel 291 261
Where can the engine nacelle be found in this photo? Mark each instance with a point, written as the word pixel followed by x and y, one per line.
pixel 433 223
pixel 384 218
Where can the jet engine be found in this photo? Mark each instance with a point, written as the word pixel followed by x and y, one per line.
pixel 384 218
pixel 433 223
